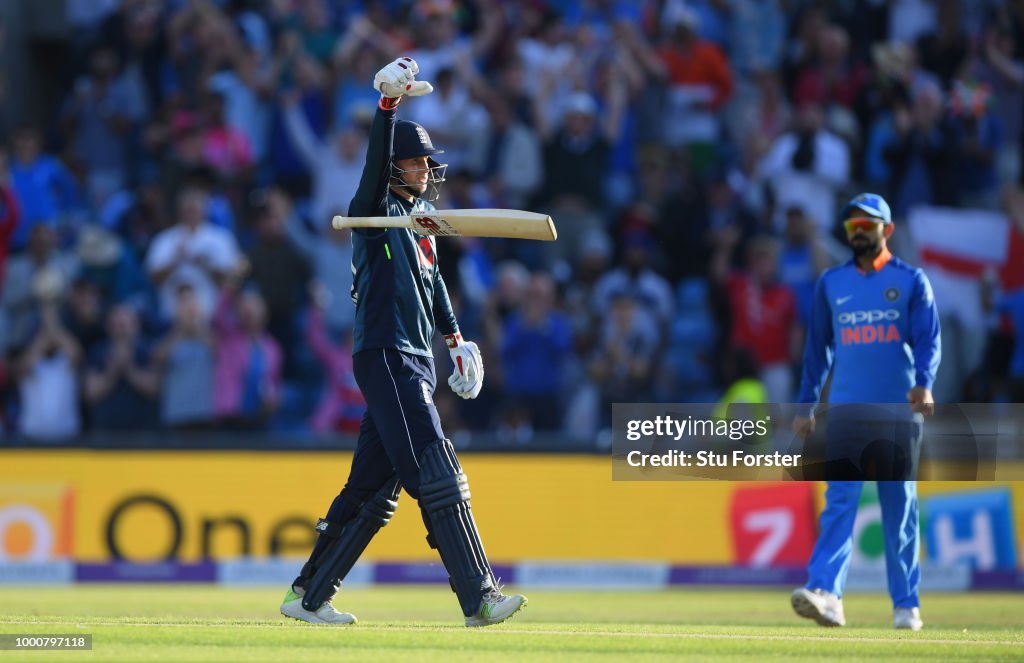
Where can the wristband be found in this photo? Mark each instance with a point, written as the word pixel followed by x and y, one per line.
pixel 453 340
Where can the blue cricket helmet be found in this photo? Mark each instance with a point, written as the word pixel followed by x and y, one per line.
pixel 871 204
pixel 412 140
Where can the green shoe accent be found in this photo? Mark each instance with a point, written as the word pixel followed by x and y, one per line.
pixel 290 596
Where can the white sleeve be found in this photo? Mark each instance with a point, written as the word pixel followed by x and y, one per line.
pixel 161 252
pixel 225 253
pixel 832 161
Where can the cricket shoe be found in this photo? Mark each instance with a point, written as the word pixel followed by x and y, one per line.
pixel 823 607
pixel 907 618
pixel 325 614
pixel 496 608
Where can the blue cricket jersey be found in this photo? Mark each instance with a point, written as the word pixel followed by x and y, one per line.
pixel 878 332
pixel 397 287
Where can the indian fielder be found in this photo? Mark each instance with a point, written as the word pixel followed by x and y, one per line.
pixel 400 297
pixel 875 325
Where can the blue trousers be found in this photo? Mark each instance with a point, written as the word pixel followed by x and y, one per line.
pixel 400 420
pixel 830 561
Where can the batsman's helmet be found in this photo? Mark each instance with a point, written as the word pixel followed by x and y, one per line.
pixel 412 140
pixel 871 204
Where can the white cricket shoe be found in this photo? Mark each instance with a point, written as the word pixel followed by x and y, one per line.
pixel 907 618
pixel 823 607
pixel 496 608
pixel 325 614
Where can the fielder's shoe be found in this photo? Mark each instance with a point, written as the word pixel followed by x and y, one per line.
pixel 823 607
pixel 496 608
pixel 325 614
pixel 907 618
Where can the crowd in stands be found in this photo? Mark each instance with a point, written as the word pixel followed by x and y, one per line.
pixel 168 260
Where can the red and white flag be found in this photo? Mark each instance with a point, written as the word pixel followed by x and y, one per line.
pixel 956 248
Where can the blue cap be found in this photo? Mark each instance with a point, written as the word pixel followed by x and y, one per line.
pixel 871 204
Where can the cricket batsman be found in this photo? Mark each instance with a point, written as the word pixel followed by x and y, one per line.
pixel 400 298
pixel 874 324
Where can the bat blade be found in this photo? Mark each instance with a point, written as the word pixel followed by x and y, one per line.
pixel 511 224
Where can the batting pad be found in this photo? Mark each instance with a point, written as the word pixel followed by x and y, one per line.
pixel 444 497
pixel 339 559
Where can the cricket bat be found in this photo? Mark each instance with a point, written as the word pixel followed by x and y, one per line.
pixel 508 223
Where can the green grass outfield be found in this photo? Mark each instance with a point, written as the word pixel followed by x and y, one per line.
pixel 205 623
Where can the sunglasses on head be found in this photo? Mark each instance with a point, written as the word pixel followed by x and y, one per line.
pixel 864 224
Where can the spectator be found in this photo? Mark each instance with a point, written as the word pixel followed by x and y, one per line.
pixel 192 252
pixel 535 346
pixel 82 315
pixel 335 165
pixel 440 43
pixel 342 405
pixel 592 262
pixel 352 96
pixel 831 80
pixel 45 189
pixel 649 292
pixel 701 84
pixel 920 153
pixel 453 118
pixel 511 163
pixel 978 136
pixel 105 262
pixel 280 272
pixel 184 363
pixel 247 378
pixel 325 249
pixel 309 80
pixel 119 385
pixel 801 261
pixel 758 35
pixel 807 167
pixel 1003 73
pixel 19 303
pixel 623 365
pixel 945 50
pixel 546 52
pixel 47 371
pixel 245 90
pixel 225 148
pixel 575 160
pixel 318 36
pixel 763 312
pixel 766 117
pixel 98 120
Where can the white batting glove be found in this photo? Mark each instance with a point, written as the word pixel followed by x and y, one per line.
pixel 467 378
pixel 399 79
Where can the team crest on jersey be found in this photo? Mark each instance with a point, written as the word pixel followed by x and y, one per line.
pixel 892 294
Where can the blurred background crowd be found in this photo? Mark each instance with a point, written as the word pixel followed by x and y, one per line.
pixel 170 168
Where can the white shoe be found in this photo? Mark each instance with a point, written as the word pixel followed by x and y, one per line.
pixel 496 608
pixel 907 618
pixel 325 614
pixel 823 607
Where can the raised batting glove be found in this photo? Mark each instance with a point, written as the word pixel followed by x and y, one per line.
pixel 398 79
pixel 467 378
